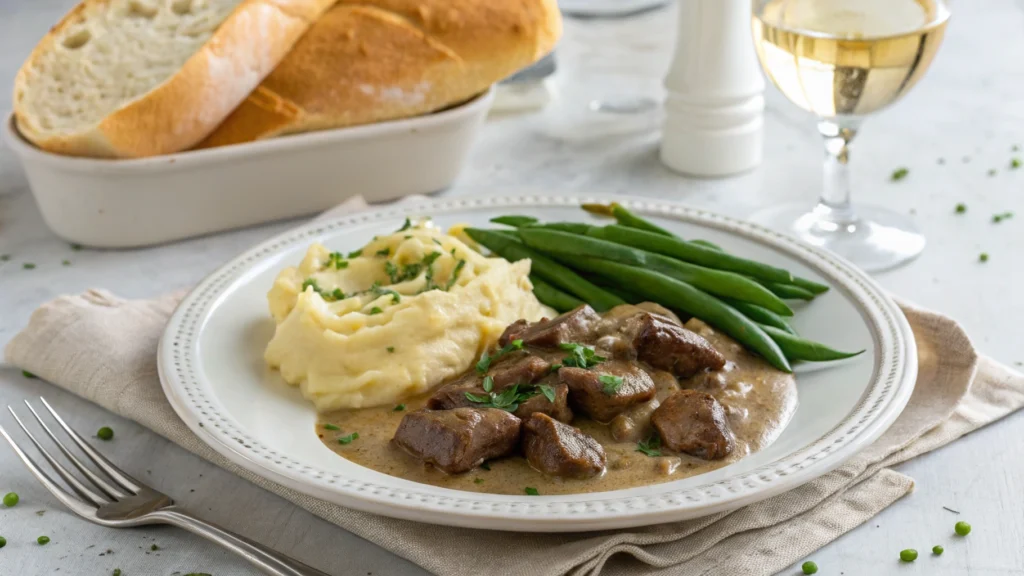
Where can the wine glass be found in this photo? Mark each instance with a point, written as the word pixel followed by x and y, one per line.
pixel 842 60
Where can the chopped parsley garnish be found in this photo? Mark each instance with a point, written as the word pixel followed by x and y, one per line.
pixel 997 218
pixel 384 252
pixel 154 547
pixel 28 266
pixel 405 226
pixel 116 572
pixel 1015 163
pixel 391 349
pixel 28 374
pixel 392 271
pixel 961 208
pixel 455 273
pixel 650 447
pixel 983 257
pixel 331 427
pixel 508 400
pixel 355 253
pixel 76 247
pixel 375 310
pixel 331 296
pixel 992 172
pixel 478 480
pixel 337 261
pixel 438 242
pixel 612 383
pixel 5 257
pixel 398 408
pixel 486 361
pixel 348 439
pixel 379 291
pixel 488 384
pixel 548 392
pixel 486 466
pixel 555 367
pixel 580 356
pixel 531 491
pixel 899 174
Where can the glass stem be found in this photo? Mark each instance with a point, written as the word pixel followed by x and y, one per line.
pixel 834 204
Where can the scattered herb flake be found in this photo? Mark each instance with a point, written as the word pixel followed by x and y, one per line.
pixel 28 266
pixel 485 361
pixel 1014 163
pixel 154 547
pixel 398 408
pixel 531 491
pixel 331 427
pixel 438 242
pixel 997 218
pixel 455 273
pixel 379 291
pixel 355 253
pixel 488 384
pixel 983 257
pixel 391 349
pixel 651 446
pixel 960 208
pixel 555 367
pixel 486 466
pixel 28 375
pixel 384 252
pixel 478 480
pixel 348 439
pixel 76 247
pixel 580 356
pixel 337 261
pixel 5 257
pixel 992 172
pixel 337 294
pixel 392 271
pixel 899 174
pixel 405 226
pixel 547 391
pixel 375 310
pixel 612 383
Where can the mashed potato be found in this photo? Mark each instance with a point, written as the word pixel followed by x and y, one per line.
pixel 407 312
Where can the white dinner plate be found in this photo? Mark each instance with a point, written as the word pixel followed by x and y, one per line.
pixel 211 366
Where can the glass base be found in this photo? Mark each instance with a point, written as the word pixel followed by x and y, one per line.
pixel 875 239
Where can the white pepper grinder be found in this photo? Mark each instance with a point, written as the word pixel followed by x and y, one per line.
pixel 714 104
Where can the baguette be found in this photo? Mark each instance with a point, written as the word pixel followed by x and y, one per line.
pixel 375 60
pixel 133 78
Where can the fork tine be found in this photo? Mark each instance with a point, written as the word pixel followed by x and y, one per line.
pixel 81 489
pixel 100 483
pixel 80 507
pixel 121 477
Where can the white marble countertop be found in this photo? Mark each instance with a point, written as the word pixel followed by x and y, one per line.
pixel 960 122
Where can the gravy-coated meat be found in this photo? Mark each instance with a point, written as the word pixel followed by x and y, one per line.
pixel 559 409
pixel 587 391
pixel 573 326
pixel 560 450
pixel 458 440
pixel 667 346
pixel 519 368
pixel 695 423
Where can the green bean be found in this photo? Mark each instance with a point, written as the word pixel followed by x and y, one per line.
pixel 810 285
pixel 713 281
pixel 553 297
pixel 571 227
pixel 689 252
pixel 626 295
pixel 706 244
pixel 514 220
pixel 788 291
pixel 546 268
pixel 626 218
pixel 797 348
pixel 760 315
pixel 681 296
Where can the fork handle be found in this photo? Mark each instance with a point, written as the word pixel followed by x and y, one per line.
pixel 258 555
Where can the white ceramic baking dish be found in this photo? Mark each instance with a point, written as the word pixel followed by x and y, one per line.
pixel 127 203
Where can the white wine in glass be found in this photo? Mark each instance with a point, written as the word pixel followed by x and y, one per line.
pixel 842 60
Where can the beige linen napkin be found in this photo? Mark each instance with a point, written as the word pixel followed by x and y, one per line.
pixel 103 348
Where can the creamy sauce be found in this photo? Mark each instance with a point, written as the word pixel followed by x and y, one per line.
pixel 758 399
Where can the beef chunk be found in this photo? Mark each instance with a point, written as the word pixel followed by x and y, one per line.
pixel 694 422
pixel 559 409
pixel 518 368
pixel 573 326
pixel 561 450
pixel 668 346
pixel 587 391
pixel 458 440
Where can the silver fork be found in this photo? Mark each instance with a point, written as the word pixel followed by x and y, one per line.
pixel 125 502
